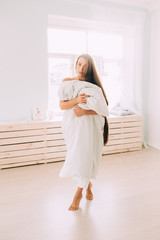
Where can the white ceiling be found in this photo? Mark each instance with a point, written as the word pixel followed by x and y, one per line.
pixel 149 4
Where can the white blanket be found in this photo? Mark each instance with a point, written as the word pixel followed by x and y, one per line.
pixel 83 135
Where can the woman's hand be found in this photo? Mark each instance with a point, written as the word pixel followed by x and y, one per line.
pixel 78 111
pixel 64 105
pixel 82 98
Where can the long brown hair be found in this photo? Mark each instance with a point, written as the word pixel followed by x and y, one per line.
pixel 92 77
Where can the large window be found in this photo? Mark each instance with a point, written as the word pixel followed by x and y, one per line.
pixel 66 44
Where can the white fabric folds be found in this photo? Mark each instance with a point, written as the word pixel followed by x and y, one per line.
pixel 83 135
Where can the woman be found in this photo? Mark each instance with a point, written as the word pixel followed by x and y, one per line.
pixel 84 126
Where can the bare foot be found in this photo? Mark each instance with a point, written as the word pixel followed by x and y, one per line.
pixel 89 194
pixel 76 200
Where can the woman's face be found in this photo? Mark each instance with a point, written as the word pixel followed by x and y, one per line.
pixel 81 68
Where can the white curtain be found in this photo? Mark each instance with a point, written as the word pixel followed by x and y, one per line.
pixel 131 24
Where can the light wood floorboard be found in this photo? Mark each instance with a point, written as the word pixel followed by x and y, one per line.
pixel 34 201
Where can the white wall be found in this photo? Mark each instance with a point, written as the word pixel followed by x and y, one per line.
pixel 23 54
pixel 153 136
pixel 23 60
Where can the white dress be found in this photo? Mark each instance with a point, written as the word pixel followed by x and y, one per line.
pixel 83 135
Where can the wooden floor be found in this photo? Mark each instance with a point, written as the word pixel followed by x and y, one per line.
pixel 126 206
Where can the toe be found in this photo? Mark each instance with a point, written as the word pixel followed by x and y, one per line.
pixel 72 208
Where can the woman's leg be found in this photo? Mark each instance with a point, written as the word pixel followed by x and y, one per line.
pixel 76 200
pixel 89 194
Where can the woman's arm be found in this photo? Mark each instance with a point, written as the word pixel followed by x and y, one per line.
pixel 64 105
pixel 78 111
pixel 90 112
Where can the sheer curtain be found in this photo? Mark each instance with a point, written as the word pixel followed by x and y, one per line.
pixel 131 25
pixel 131 85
